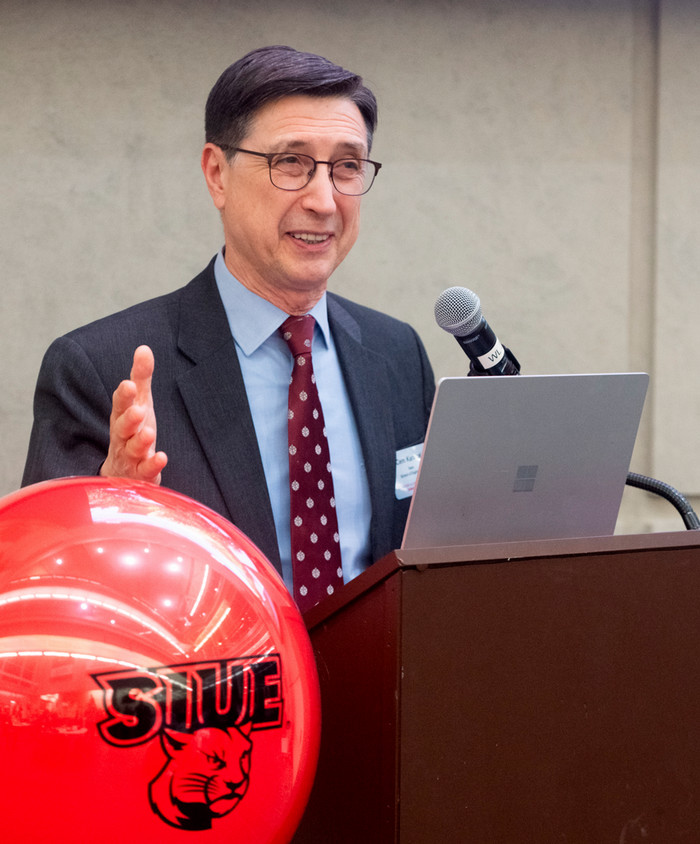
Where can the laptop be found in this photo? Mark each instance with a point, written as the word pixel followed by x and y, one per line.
pixel 525 457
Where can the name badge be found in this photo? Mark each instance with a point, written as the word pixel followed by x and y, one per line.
pixel 407 463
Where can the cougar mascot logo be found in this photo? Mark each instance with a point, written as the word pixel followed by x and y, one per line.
pixel 205 777
pixel 203 714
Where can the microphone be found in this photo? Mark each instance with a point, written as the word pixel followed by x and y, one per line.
pixel 458 311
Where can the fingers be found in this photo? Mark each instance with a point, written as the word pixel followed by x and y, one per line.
pixel 142 374
pixel 150 470
pixel 123 399
pixel 132 451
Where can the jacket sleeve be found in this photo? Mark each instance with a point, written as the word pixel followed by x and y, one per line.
pixel 72 406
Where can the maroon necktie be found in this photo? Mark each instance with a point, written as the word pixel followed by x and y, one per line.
pixel 316 564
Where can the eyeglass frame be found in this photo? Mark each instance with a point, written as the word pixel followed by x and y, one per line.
pixel 271 155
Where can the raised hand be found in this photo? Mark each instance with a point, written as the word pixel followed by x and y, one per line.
pixel 132 426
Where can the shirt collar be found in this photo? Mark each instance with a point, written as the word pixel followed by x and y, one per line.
pixel 253 319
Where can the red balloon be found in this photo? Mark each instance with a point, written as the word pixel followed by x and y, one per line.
pixel 155 674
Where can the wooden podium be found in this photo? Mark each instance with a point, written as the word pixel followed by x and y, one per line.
pixel 531 692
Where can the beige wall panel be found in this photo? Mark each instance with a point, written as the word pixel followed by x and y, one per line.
pixel 677 337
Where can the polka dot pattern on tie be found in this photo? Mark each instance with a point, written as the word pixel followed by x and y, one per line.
pixel 317 567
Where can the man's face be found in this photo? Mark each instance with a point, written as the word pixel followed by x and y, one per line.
pixel 287 243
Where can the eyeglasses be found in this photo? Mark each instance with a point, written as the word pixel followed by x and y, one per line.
pixel 294 170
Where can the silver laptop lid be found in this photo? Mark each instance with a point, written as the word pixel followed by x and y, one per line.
pixel 525 457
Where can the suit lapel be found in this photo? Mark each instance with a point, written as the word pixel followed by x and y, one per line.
pixel 368 384
pixel 215 398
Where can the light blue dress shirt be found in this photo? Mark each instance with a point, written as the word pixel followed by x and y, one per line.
pixel 266 365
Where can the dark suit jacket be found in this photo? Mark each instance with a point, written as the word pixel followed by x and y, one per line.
pixel 204 422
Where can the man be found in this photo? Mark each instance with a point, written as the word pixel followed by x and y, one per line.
pixel 286 161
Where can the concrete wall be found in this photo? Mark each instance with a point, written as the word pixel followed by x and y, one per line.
pixel 541 152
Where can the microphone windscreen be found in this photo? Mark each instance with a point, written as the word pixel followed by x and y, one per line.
pixel 458 311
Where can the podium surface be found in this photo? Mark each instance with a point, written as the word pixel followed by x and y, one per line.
pixel 526 692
